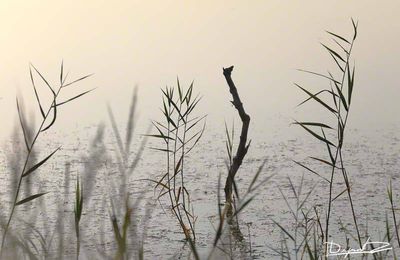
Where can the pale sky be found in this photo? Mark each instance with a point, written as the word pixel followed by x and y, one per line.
pixel 150 43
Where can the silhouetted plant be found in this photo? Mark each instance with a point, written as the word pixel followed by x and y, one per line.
pixel 180 133
pixel 47 115
pixel 340 93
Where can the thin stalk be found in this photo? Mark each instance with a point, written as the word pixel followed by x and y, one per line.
pixel 339 153
pixel 24 168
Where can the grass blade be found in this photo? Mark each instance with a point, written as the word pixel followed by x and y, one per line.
pixel 54 107
pixel 333 53
pixel 36 94
pixel 318 74
pixel 316 135
pixel 23 127
pixel 338 36
pixel 45 81
pixel 317 99
pixel 350 82
pixel 36 166
pixel 77 96
pixel 73 82
pixel 30 198
pixel 313 124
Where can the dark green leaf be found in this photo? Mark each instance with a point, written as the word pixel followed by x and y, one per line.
pixel 51 89
pixel 317 99
pixel 36 94
pixel 313 124
pixel 355 28
pixel 333 52
pixel 302 165
pixel 318 74
pixel 30 198
pixel 54 108
pixel 338 36
pixel 284 230
pixel 84 77
pixel 316 135
pixel 318 93
pixel 323 161
pixel 77 96
pixel 350 82
pixel 36 166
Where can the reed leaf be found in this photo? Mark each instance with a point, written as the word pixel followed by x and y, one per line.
pixel 45 81
pixel 334 53
pixel 75 97
pixel 338 36
pixel 317 99
pixel 77 80
pixel 23 201
pixel 24 130
pixel 36 93
pixel 36 166
pixel 323 139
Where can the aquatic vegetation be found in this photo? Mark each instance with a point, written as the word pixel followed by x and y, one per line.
pixel 121 232
pixel 180 132
pixel 49 117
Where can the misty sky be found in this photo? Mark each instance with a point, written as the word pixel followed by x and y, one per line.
pixel 150 43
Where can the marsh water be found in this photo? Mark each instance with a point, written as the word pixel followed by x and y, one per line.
pixel 371 157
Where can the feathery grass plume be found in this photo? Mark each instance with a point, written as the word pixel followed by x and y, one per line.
pixel 339 91
pixel 49 117
pixel 180 132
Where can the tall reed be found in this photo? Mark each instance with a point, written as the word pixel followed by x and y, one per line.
pixel 123 214
pixel 180 132
pixel 340 92
pixel 49 114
